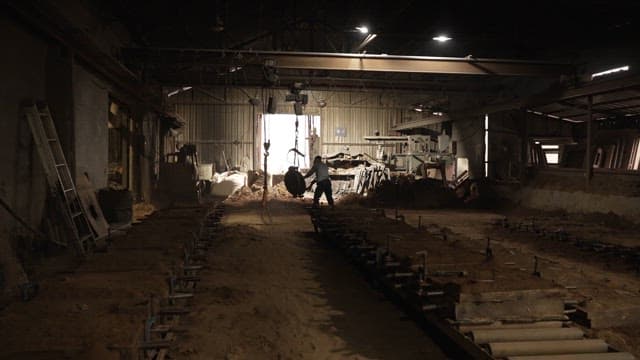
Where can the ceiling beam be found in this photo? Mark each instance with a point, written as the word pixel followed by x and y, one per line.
pixel 585 108
pixel 420 123
pixel 615 101
pixel 253 78
pixel 366 62
pixel 557 95
pixel 423 65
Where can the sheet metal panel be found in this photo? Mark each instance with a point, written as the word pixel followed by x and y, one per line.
pixel 221 119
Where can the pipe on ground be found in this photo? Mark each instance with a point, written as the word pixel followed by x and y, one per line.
pixel 605 356
pixel 553 347
pixel 537 324
pixel 506 335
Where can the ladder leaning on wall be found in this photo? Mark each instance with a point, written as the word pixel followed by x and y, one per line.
pixel 61 184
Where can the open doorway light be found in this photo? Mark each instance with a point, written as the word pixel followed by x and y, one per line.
pixel 281 130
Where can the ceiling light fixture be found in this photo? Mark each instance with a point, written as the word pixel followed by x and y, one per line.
pixel 176 92
pixel 610 71
pixel 442 38
pixel 363 29
pixel 365 42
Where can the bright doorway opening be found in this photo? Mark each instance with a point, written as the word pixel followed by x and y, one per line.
pixel 281 130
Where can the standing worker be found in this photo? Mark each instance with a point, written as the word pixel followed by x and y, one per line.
pixel 323 183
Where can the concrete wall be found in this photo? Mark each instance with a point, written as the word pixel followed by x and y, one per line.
pixel 34 68
pixel 581 202
pixel 39 70
pixel 59 96
pixel 22 184
pixel 469 135
pixel 22 71
pixel 91 106
pixel 566 189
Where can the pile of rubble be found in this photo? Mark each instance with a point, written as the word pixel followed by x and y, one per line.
pixel 255 193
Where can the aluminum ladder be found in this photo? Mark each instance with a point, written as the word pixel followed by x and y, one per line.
pixel 59 177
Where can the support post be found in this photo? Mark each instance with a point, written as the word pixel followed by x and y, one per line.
pixel 265 187
pixel 524 146
pixel 588 158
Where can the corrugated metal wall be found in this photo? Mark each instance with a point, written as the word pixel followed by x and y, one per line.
pixel 221 119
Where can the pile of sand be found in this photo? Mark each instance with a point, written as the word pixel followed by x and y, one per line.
pixel 255 192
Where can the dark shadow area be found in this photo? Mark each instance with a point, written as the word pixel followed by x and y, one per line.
pixel 370 324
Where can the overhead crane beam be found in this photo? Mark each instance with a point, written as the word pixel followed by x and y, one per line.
pixel 362 62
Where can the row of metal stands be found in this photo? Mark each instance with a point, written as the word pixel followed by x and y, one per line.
pixel 429 303
pixel 163 323
pixel 433 304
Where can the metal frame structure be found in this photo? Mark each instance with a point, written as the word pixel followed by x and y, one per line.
pixel 596 100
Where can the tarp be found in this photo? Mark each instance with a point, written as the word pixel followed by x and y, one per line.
pixel 227 183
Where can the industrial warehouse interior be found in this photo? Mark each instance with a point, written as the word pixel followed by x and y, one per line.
pixel 319 180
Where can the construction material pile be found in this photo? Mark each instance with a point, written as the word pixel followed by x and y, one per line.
pixel 255 193
pixel 368 178
pixel 408 192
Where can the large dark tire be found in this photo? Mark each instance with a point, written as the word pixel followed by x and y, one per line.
pixel 294 181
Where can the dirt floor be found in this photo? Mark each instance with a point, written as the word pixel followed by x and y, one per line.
pixel 82 310
pixel 608 290
pixel 271 291
pixel 274 292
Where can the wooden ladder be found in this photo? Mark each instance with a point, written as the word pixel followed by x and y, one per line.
pixel 59 177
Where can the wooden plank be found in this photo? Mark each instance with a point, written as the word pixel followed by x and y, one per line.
pixel 500 325
pixel 536 334
pixel 87 195
pixel 600 356
pixel 508 349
